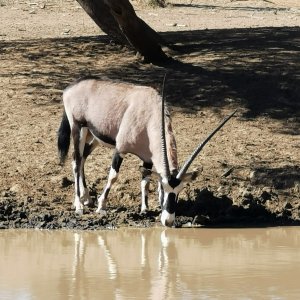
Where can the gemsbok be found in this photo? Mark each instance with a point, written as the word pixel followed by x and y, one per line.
pixel 132 119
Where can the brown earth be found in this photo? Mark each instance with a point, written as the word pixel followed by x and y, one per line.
pixel 231 54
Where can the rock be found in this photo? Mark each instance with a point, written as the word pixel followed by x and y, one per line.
pixel 15 188
pixel 171 24
pixel 247 194
pixel 265 196
pixel 252 175
pixel 66 182
pixel 200 219
pixel 288 205
pixel 187 225
pixel 5 194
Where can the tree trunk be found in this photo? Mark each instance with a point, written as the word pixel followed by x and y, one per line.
pixel 118 19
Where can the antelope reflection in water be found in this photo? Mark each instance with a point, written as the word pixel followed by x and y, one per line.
pixel 147 261
pixel 163 264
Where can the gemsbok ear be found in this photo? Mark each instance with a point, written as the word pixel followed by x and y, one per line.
pixel 190 176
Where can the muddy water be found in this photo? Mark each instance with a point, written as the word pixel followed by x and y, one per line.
pixel 151 264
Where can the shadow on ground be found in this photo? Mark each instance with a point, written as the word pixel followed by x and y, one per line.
pixel 207 209
pixel 255 69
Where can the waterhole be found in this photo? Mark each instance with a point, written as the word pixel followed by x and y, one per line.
pixel 154 263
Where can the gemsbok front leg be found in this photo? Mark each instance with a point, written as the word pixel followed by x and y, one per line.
pixel 160 191
pixel 145 187
pixel 112 177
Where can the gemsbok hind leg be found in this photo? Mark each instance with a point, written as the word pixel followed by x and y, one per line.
pixel 90 145
pixel 79 135
pixel 112 177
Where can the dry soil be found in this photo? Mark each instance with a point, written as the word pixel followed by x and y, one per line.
pixel 230 55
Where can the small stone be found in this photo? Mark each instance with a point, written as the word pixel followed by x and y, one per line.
pixel 171 24
pixel 15 188
pixel 66 182
pixel 247 194
pixel 200 219
pixel 187 225
pixel 288 206
pixel 252 174
pixel 66 31
pixel 265 195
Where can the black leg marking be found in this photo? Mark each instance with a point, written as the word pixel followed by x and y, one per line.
pixel 77 157
pixel 147 165
pixel 116 162
pixel 87 150
pixel 106 192
pixel 112 177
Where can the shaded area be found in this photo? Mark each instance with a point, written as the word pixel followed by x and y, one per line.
pixel 210 210
pixel 254 69
pixel 279 178
pixel 234 8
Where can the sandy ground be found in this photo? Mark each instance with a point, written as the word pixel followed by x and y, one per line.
pixel 233 54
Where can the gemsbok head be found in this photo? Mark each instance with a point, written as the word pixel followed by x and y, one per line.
pixel 132 119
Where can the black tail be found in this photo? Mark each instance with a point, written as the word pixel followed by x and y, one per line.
pixel 63 138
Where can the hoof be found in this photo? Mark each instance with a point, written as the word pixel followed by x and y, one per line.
pixel 101 212
pixel 88 202
pixel 144 212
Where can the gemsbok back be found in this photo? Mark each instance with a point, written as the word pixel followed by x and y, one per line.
pixel 132 119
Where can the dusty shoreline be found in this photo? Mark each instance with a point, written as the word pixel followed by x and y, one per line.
pixel 247 58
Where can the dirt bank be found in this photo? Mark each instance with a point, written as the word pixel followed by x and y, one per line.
pixel 233 54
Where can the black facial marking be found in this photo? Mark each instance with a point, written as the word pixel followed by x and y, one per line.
pixel 170 205
pixel 173 182
pixel 146 200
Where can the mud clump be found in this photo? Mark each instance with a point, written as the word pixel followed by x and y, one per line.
pixel 205 209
